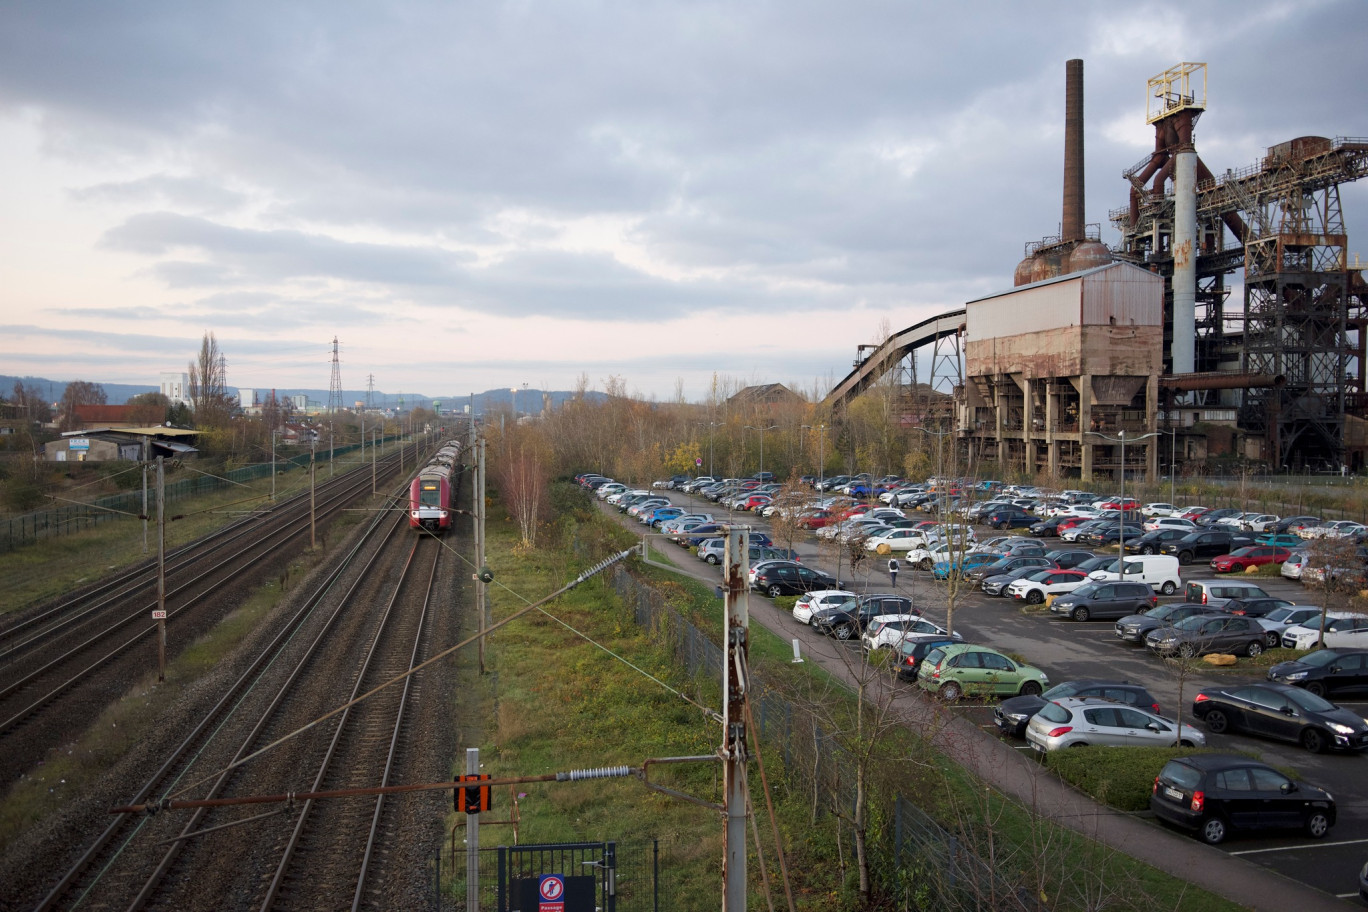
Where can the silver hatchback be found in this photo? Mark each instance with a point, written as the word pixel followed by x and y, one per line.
pixel 1075 722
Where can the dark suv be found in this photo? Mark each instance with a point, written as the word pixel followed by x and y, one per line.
pixel 1006 565
pixel 1013 714
pixel 1204 545
pixel 789 578
pixel 851 618
pixel 1211 794
pixel 1104 599
pixel 1010 518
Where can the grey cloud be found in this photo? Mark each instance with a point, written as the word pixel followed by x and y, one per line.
pixel 162 190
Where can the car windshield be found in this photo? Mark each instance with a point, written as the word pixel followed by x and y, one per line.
pixel 1053 712
pixel 1241 552
pixel 1310 702
pixel 1086 590
pixel 1278 615
pixel 1193 622
pixel 1060 691
pixel 1094 563
pixel 1039 576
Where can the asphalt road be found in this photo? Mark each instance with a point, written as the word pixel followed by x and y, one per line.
pixel 1067 650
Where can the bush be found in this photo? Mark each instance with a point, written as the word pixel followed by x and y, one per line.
pixel 1119 777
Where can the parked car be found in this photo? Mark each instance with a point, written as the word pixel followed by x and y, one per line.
pixel 809 603
pixel 1133 628
pixel 1155 523
pixel 1280 619
pixel 1213 794
pixel 1217 592
pixel 1038 584
pixel 1105 600
pixel 950 672
pixel 1279 540
pixel 889 630
pixel 1012 517
pixel 1012 714
pixel 915 647
pixel 1069 559
pixel 1204 545
pixel 1005 565
pixel 849 619
pixel 1281 712
pixel 1292 524
pixel 1295 565
pixel 1342 630
pixel 1210 517
pixel 1158 509
pixel 790 578
pixel 1201 634
pixel 942 569
pixel 1241 559
pixel 1082 721
pixel 1325 672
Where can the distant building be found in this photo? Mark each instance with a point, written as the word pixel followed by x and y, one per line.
pixel 767 395
pixel 300 401
pixel 105 444
pixel 176 387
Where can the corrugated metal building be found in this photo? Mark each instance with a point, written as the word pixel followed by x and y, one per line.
pixel 1052 367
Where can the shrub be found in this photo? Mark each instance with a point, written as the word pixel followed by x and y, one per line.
pixel 1119 777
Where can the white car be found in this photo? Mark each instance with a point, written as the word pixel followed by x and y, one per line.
pixel 1049 581
pixel 897 540
pixel 1077 722
pixel 924 558
pixel 889 630
pixel 1339 528
pixel 1169 522
pixel 1158 509
pixel 1341 631
pixel 817 600
pixel 605 491
pixel 1260 522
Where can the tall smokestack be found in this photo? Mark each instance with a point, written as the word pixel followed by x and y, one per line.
pixel 1073 225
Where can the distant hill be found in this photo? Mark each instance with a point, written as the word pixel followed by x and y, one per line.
pixel 528 400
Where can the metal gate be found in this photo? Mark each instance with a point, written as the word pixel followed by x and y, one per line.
pixel 626 883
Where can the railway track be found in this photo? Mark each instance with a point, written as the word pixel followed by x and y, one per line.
pixel 343 639
pixel 57 673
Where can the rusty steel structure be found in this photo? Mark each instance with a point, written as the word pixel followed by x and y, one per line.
pixel 1280 222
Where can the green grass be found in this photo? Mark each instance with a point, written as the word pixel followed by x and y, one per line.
pixel 553 701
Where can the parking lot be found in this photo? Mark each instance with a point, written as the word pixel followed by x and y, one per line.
pixel 1068 650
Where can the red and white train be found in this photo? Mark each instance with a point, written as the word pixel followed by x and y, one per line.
pixel 432 495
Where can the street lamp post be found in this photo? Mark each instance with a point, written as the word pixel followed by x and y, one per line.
pixel 762 430
pixel 1121 538
pixel 821 451
pixel 712 433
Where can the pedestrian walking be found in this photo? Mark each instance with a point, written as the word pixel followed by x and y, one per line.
pixel 893 572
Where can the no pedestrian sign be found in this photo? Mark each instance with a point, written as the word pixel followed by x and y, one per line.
pixel 551 893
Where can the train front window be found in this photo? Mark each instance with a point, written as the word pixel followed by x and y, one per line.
pixel 430 495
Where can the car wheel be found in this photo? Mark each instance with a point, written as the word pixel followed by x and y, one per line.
pixel 1080 613
pixel 1317 825
pixel 1186 743
pixel 1216 722
pixel 1214 831
pixel 1078 744
pixel 845 631
pixel 1187 651
pixel 1002 526
pixel 1147 549
pixel 1030 688
pixel 1168 588
pixel 1313 739
pixel 1035 597
pixel 1315 687
pixel 712 559
pixel 775 591
pixel 1271 640
pixel 1254 649
pixel 1185 557
pixel 950 692
pixel 924 564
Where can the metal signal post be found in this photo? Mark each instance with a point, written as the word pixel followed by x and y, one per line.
pixel 735 673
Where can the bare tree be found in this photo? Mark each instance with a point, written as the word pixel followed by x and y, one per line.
pixel 522 469
pixel 1340 570
pixel 208 385
pixel 79 393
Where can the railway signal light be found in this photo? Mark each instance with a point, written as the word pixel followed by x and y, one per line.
pixel 472 799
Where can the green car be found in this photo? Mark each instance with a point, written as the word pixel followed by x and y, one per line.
pixel 950 672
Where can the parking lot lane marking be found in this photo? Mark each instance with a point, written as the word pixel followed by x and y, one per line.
pixel 1305 845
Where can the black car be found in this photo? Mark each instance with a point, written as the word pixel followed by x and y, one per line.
pixel 791 578
pixel 1292 523
pixel 1108 535
pixel 1013 714
pixel 1046 527
pixel 1255 607
pixel 1150 542
pixel 1104 599
pixel 1005 565
pixel 1212 794
pixel 1325 671
pixel 914 648
pixel 1069 559
pixel 1204 544
pixel 850 619
pixel 1211 516
pixel 998 583
pixel 1133 628
pixel 1281 712
pixel 1010 518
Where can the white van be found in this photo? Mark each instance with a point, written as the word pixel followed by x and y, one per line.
pixel 1159 570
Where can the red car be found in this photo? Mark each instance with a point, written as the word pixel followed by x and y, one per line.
pixel 1193 512
pixel 856 510
pixel 1115 504
pixel 1242 559
pixel 755 501
pixel 815 520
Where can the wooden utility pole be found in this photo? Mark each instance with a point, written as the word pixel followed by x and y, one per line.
pixel 160 613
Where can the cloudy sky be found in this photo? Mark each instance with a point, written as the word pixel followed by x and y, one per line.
pixel 486 194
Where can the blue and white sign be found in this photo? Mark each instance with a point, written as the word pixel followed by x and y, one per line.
pixel 79 443
pixel 551 893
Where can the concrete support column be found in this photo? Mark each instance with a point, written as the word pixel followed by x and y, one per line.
pixel 1051 420
pixel 1152 425
pixel 1085 425
pixel 1027 426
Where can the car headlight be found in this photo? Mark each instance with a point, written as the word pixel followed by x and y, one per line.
pixel 1340 729
pixel 1296 676
pixel 1016 717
